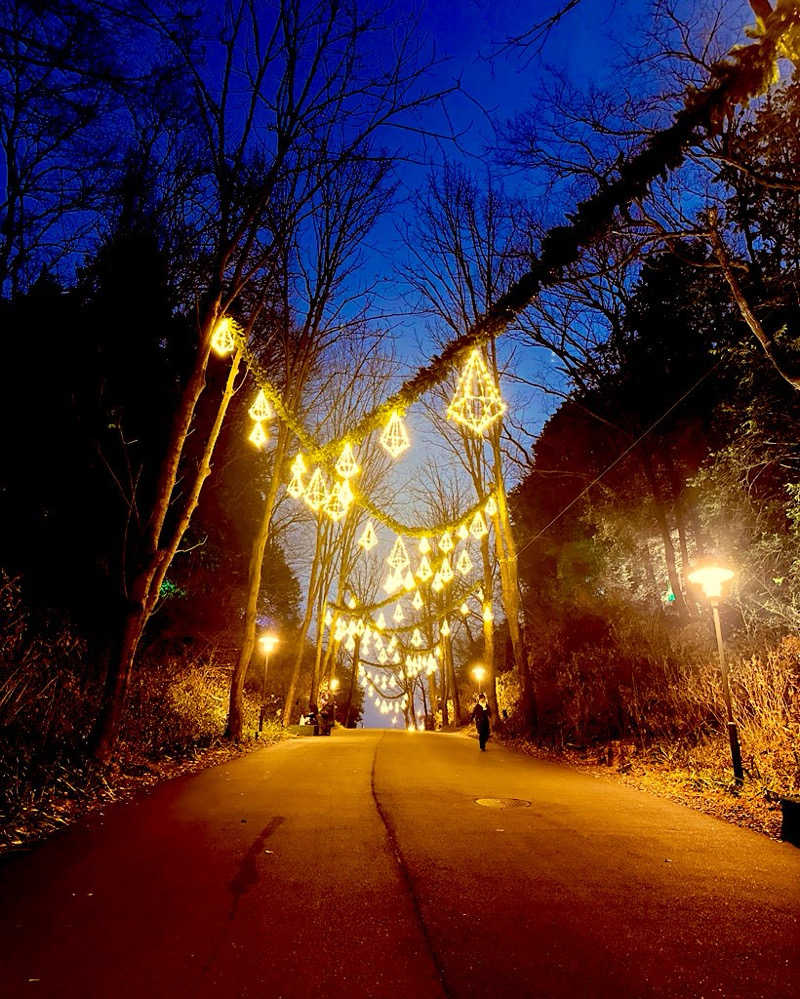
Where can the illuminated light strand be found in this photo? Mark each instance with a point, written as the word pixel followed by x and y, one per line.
pixel 744 73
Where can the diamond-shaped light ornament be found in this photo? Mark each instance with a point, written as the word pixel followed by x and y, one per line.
pixel 223 339
pixel 477 527
pixel 464 563
pixel 398 557
pixel 424 546
pixel 445 628
pixel 446 543
pixel 347 465
pixel 382 657
pixel 463 532
pixel 368 538
pixel 398 615
pixel 491 507
pixel 328 618
pixel 317 492
pixel 258 435
pixel 408 581
pixel 477 402
pixel 416 603
pixel 445 570
pixel 416 638
pixel 424 571
pixel 296 488
pixel 380 621
pixel 261 409
pixel 339 501
pixel 437 585
pixel 394 438
pixel 464 608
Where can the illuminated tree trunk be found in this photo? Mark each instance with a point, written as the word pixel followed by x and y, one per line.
pixel 155 561
pixel 453 684
pixel 254 573
pixel 666 536
pixel 288 706
pixel 488 628
pixel 354 674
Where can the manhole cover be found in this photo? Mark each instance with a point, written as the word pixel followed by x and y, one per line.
pixel 502 802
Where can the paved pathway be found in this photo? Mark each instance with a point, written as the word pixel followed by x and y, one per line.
pixel 361 866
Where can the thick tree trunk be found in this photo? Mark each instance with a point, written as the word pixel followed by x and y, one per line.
pixel 254 573
pixel 288 706
pixel 354 674
pixel 155 562
pixel 488 629
pixel 666 536
pixel 453 684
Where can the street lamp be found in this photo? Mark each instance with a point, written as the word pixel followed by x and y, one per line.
pixel 268 641
pixel 711 579
pixel 479 675
pixel 334 686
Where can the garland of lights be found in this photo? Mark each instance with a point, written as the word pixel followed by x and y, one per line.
pixel 746 73
pixel 422 532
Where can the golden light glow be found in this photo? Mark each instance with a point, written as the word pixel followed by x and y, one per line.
pixel 446 543
pixel 417 601
pixel 445 628
pixel 488 616
pixel 268 641
pixel 416 638
pixel 317 492
pixel 394 438
pixel 352 603
pixel 339 500
pixel 398 615
pixel 463 532
pixel 477 402
pixel 360 627
pixel 464 608
pixel 261 409
pixel 382 657
pixel 368 538
pixel 479 673
pixel 223 339
pixel 380 621
pixel 464 563
pixel 491 507
pixel 408 581
pixel 258 435
pixel 424 571
pixel 711 579
pixel 347 466
pixel 445 570
pixel 334 683
pixel 424 546
pixel 478 528
pixel 392 583
pixel 437 585
pixel 398 557
pixel 328 618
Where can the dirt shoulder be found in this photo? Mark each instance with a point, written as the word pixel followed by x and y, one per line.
pixel 704 787
pixel 69 793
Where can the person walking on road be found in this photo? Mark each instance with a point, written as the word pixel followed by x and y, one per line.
pixel 480 715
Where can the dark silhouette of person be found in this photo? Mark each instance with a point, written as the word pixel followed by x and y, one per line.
pixel 480 715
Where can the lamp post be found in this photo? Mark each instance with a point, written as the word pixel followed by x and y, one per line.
pixel 711 579
pixel 479 675
pixel 268 642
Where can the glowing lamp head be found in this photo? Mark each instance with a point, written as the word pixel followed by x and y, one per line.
pixel 711 579
pixel 268 642
pixel 334 683
pixel 479 674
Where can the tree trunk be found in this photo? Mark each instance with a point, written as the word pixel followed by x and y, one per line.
pixel 488 629
pixel 666 537
pixel 154 563
pixel 288 706
pixel 255 568
pixel 451 669
pixel 355 660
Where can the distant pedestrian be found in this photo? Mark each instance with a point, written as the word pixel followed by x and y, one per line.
pixel 480 715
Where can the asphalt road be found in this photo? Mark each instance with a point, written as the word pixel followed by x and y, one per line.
pixel 361 865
